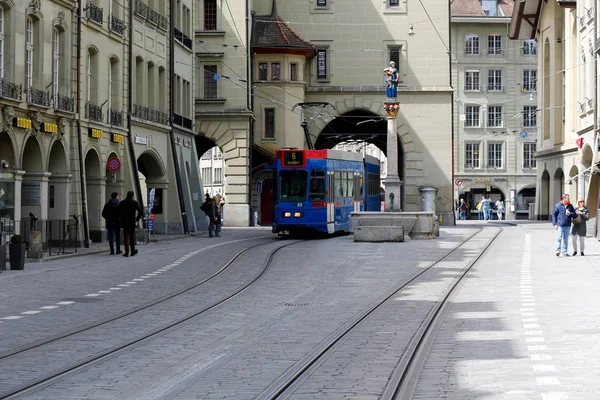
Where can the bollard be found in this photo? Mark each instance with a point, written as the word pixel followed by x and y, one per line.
pixel 35 249
pixel 255 218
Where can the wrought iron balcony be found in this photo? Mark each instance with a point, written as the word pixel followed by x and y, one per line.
pixel 115 117
pixel 116 25
pixel 94 13
pixel 93 112
pixel 38 97
pixel 182 121
pixel 163 22
pixel 141 9
pixel 182 37
pixel 149 114
pixel 152 16
pixel 64 103
pixel 9 90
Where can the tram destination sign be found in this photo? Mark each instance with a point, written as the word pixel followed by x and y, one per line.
pixel 293 159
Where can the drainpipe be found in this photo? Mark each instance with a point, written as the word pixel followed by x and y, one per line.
pixel 132 157
pixel 172 115
pixel 595 143
pixel 82 180
pixel 249 104
pixel 452 105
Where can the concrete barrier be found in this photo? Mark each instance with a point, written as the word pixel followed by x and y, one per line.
pixel 415 225
pixel 379 234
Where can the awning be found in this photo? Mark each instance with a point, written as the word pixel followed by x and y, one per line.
pixel 593 170
pixel 525 18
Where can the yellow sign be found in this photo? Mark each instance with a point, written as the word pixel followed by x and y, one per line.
pixel 482 179
pixel 23 123
pixel 49 128
pixel 95 133
pixel 117 138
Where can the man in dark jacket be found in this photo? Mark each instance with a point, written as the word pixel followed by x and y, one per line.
pixel 563 214
pixel 210 210
pixel 110 213
pixel 130 213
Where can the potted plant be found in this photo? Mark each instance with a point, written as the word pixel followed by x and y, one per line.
pixel 16 249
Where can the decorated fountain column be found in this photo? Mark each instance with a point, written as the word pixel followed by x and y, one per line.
pixel 392 181
pixel 391 106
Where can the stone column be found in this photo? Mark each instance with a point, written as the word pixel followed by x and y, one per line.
pixel 392 181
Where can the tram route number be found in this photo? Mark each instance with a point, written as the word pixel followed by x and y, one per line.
pixel 293 159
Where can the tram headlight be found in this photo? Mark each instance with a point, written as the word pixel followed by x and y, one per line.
pixel 297 214
pixel 287 214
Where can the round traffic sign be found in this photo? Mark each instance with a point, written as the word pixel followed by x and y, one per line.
pixel 458 182
pixel 114 164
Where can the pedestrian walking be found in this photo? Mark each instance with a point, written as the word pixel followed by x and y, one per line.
pixel 485 205
pixel 209 209
pixel 562 215
pixel 218 215
pixel 462 210
pixel 500 209
pixel 479 208
pixel 130 213
pixel 491 210
pixel 110 213
pixel 579 230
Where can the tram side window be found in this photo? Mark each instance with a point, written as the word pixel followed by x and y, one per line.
pixel 292 185
pixel 350 184
pixel 344 184
pixel 338 184
pixel 317 186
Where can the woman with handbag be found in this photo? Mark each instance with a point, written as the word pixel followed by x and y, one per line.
pixel 579 226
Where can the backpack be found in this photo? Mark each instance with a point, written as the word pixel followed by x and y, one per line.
pixel 204 207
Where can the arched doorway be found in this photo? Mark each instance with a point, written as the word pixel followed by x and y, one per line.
pixel 361 126
pixel 573 181
pixel 95 191
pixel 7 184
pixel 114 180
pixel 34 188
pixel 59 183
pixel 525 197
pixel 474 193
pixel 211 170
pixel 544 196
pixel 155 194
pixel 558 187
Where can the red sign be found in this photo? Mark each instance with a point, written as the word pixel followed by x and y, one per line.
pixel 151 217
pixel 114 164
pixel 458 182
pixel 579 142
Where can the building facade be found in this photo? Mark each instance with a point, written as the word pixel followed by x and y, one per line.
pixel 568 148
pixel 495 107
pixel 330 54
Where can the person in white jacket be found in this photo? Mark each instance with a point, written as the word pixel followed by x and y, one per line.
pixel 500 209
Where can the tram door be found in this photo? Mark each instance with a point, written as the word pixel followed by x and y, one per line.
pixel 330 202
pixel 266 203
pixel 357 190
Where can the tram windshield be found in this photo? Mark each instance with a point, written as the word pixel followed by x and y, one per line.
pixel 292 185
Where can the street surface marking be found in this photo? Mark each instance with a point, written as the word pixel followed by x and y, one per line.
pixel 92 295
pixel 104 291
pixel 543 368
pixel 30 312
pixel 65 303
pixel 554 396
pixel 123 285
pixel 115 288
pixel 533 333
pixel 12 317
pixel 49 307
pixel 538 357
pixel 531 326
pixel 548 380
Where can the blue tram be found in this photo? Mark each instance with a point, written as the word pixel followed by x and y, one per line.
pixel 318 189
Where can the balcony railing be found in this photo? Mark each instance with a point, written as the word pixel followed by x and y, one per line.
pixel 115 117
pixel 186 41
pixel 9 90
pixel 163 22
pixel 38 97
pixel 152 16
pixel 116 25
pixel 94 13
pixel 182 121
pixel 149 114
pixel 64 103
pixel 141 9
pixel 93 112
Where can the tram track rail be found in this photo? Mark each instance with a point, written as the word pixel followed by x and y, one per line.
pixel 47 380
pixel 404 378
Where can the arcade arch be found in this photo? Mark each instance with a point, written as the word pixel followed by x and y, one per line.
pixel 544 196
pixel 154 185
pixel 7 182
pixel 58 182
pixel 95 192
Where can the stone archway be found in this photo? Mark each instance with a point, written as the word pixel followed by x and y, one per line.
pixel 544 196
pixel 558 185
pixel 573 180
pixel 9 206
pixel 232 136
pixel 94 187
pixel 34 188
pixel 114 180
pixel 155 194
pixel 58 183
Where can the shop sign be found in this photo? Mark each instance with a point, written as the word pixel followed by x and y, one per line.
pixel 482 179
pixel 31 193
pixel 7 175
pixel 141 140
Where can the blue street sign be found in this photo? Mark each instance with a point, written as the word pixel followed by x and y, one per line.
pixel 523 134
pixel 151 225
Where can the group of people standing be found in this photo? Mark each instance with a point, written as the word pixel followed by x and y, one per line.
pixel 122 214
pixel 485 209
pixel 213 208
pixel 566 219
